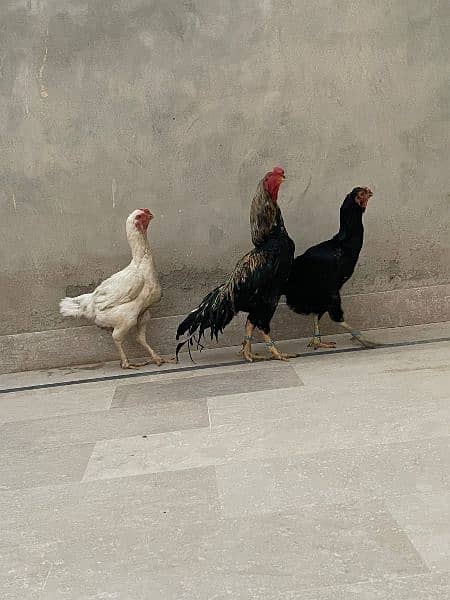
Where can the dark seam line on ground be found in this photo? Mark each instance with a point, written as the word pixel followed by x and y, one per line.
pixel 43 386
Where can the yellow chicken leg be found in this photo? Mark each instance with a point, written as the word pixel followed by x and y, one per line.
pixel 247 345
pixel 118 336
pixel 358 336
pixel 316 341
pixel 141 338
pixel 275 352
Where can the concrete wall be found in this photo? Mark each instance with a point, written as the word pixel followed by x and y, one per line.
pixel 181 106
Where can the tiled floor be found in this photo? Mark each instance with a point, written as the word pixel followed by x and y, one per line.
pixel 325 478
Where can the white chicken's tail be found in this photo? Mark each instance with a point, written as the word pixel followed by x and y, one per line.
pixel 81 306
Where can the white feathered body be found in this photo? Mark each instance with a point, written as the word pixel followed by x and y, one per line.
pixel 123 297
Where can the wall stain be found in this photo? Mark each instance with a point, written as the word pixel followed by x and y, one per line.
pixel 77 290
pixel 43 88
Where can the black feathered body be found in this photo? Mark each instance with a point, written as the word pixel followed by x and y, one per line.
pixel 257 281
pixel 318 275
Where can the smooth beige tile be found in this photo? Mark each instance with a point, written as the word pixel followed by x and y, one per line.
pixel 89 427
pixel 434 586
pixel 52 402
pixel 426 520
pixel 335 490
pixel 23 572
pixel 204 385
pixel 171 452
pixel 396 364
pixel 319 423
pixel 58 513
pixel 330 545
pixel 255 407
pixel 134 583
pixel 43 467
pixel 379 471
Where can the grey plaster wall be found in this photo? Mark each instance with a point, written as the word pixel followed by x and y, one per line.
pixel 181 105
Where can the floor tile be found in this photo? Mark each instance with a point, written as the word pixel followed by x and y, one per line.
pixel 57 514
pixel 88 427
pixel 254 407
pixel 379 471
pixel 307 420
pixel 332 545
pixel 172 452
pixel 426 520
pixel 419 587
pixel 201 385
pixel 326 478
pixel 329 427
pixel 421 362
pixel 39 404
pixel 334 422
pixel 23 574
pixel 44 467
pixel 140 584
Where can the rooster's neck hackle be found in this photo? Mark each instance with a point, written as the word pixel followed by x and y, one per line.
pixel 139 245
pixel 351 229
pixel 263 214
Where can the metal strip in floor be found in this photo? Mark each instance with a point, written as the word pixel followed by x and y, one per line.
pixel 43 386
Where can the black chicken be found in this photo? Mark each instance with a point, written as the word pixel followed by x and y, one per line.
pixel 317 275
pixel 256 284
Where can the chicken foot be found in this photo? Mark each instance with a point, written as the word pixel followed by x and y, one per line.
pixel 118 336
pixel 358 336
pixel 253 357
pixel 246 350
pixel 316 341
pixel 141 338
pixel 275 352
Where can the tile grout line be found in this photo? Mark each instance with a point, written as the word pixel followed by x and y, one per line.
pixel 44 584
pixel 227 461
pixel 88 462
pixel 210 366
pixel 209 415
pixel 215 465
pixel 428 568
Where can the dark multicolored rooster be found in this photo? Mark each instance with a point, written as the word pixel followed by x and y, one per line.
pixel 257 281
pixel 317 275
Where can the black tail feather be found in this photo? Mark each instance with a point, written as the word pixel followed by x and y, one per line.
pixel 190 342
pixel 181 344
pixel 214 313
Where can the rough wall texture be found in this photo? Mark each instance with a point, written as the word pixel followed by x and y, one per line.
pixel 181 105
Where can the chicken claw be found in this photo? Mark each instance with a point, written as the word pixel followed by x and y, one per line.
pixel 127 365
pixel 287 355
pixel 255 355
pixel 169 359
pixel 159 360
pixel 316 343
pixel 251 357
pixel 246 350
pixel 275 352
pixel 278 355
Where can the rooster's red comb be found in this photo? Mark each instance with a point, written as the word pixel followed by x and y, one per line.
pixel 278 171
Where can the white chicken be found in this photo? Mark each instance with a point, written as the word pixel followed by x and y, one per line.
pixel 122 301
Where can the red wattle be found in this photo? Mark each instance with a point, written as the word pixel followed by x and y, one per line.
pixel 272 185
